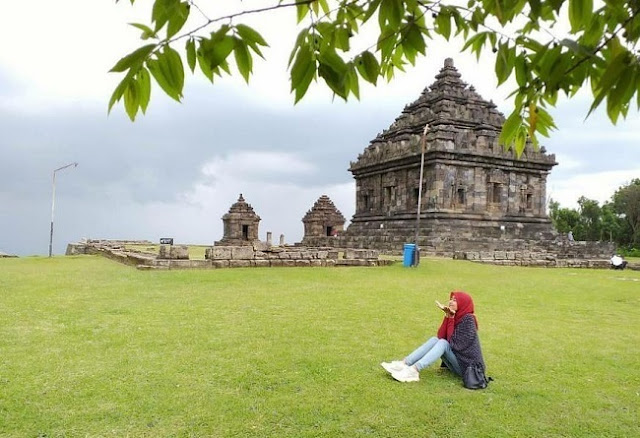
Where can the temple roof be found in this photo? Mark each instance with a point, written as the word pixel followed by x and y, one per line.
pixel 456 116
pixel 240 209
pixel 322 210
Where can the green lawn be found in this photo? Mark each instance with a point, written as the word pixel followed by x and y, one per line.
pixel 89 347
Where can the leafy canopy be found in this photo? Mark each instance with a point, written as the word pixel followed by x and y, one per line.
pixel 617 220
pixel 598 48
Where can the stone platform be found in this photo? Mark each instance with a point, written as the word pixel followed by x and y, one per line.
pixel 256 256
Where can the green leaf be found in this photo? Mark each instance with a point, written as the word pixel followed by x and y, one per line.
pixel 302 10
pixel 471 41
pixel 243 58
pixel 443 21
pixel 504 63
pixel 613 111
pixel 168 72
pixel 132 100
pixel 147 32
pixel 224 65
pixel 176 68
pixel 545 121
pixel 326 29
pixel 391 11
pixel 387 42
pixel 303 63
pixel 300 40
pixel 520 141
pixel 397 60
pixel 533 118
pixel 204 66
pixel 368 67
pixel 179 16
pixel 134 58
pixel 410 53
pixel 217 49
pixel 521 70
pixel 536 9
pixel 510 128
pixel 342 38
pixel 144 87
pixel 594 32
pixel 413 37
pixel 325 6
pixel 373 7
pixel 334 79
pixel 354 85
pixel 250 36
pixel 191 54
pixel 607 80
pixel 619 97
pixel 119 90
pixel 580 12
pixel 162 11
pixel 612 73
pixel 305 76
pixel 476 43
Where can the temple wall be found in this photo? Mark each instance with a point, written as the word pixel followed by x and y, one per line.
pixel 258 255
pixel 493 192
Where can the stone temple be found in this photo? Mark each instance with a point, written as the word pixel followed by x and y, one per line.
pixel 472 188
pixel 324 221
pixel 240 225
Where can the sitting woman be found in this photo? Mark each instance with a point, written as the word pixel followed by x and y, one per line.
pixel 457 343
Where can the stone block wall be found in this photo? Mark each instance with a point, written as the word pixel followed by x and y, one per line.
pixel 173 252
pixel 258 255
pixel 558 253
pixel 291 256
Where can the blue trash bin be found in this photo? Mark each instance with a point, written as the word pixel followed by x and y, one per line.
pixel 409 250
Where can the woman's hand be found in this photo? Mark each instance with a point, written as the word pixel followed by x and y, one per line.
pixel 448 312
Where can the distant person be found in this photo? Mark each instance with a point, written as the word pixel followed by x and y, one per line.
pixel 618 262
pixel 570 236
pixel 456 343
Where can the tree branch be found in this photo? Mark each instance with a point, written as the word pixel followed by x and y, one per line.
pixel 232 16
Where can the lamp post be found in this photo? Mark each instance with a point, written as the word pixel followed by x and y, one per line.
pixel 416 257
pixel 53 203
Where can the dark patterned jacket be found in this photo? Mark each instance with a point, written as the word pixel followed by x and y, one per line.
pixel 466 344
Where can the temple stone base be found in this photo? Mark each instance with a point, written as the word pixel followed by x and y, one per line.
pixel 259 255
pixel 443 236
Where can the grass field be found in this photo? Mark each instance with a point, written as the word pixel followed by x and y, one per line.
pixel 92 348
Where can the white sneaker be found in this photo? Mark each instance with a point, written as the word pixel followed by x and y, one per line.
pixel 409 374
pixel 394 366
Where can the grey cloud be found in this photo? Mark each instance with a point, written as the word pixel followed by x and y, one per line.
pixel 160 154
pixel 9 87
pixel 595 143
pixel 126 166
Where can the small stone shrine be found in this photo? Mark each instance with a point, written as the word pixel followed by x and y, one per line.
pixel 472 188
pixel 323 221
pixel 240 225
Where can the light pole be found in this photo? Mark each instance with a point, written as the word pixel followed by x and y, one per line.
pixel 53 203
pixel 416 256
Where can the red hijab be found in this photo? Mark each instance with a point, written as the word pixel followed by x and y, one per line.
pixel 465 307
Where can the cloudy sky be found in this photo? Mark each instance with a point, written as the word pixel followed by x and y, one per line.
pixel 177 170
